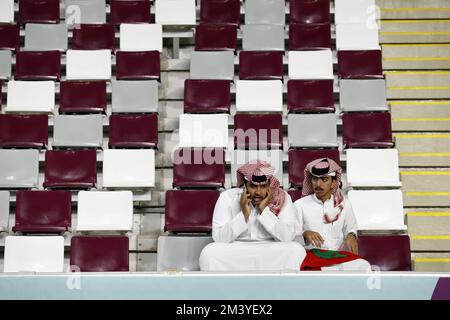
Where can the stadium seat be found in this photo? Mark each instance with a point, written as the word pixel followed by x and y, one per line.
pixel 105 211
pixel 203 130
pixel 213 37
pixel 265 12
pixel 99 253
pixel 4 211
pixel 43 11
pixel 34 254
pixel 360 64
pixel 175 12
pixel 70 169
pixel 317 64
pixel 84 131
pixel 31 96
pixel 357 36
pixel 38 65
pixel 199 167
pixel 212 65
pixel 9 35
pixel 312 130
pixel 207 96
pixel 94 37
pixel 295 194
pixel 272 156
pixel 354 11
pixel 386 252
pixel 88 65
pixel 259 95
pixel 299 158
pixel 310 96
pixel 386 215
pixel 82 97
pixel 5 64
pixel 220 12
pixel 128 168
pixel 309 36
pixel 141 37
pixel 258 131
pixel 190 210
pixel 82 11
pixel 130 11
pixel 19 169
pixel 23 131
pixel 373 168
pixel 134 96
pixel 367 130
pixel 309 11
pixel 180 253
pixel 43 211
pixel 261 65
pixel 363 95
pixel 133 131
pixel 7 11
pixel 263 37
pixel 43 37
pixel 138 65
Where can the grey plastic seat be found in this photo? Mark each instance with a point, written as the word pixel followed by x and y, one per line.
pixel 212 65
pixel 19 169
pixel 82 11
pixel 5 64
pixel 4 211
pixel 180 253
pixel 265 12
pixel 41 37
pixel 363 95
pixel 78 130
pixel 134 96
pixel 263 37
pixel 312 130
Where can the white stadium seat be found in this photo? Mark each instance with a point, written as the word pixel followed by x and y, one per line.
pixel 30 96
pixel 203 130
pixel 357 36
pixel 317 64
pixel 175 12
pixel 6 11
pixel 4 211
pixel 141 37
pixel 259 95
pixel 88 65
pixel 361 11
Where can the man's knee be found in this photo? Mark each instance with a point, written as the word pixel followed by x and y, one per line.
pixel 206 255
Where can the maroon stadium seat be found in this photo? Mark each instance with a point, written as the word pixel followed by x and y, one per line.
pixel 9 36
pixel 310 96
pixel 295 194
pixel 23 131
pixel 93 37
pixel 99 253
pixel 261 65
pixel 83 97
pixel 299 158
pixel 133 131
pixel 43 211
pixel 138 65
pixel 70 169
pixel 309 36
pixel 207 96
pixel 263 124
pixel 130 11
pixel 39 11
pixel 213 37
pixel 365 64
pixel 309 11
pixel 190 210
pixel 197 167
pixel 367 130
pixel 38 65
pixel 220 11
pixel 1 94
pixel 388 252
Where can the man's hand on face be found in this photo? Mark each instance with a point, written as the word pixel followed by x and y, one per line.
pixel 265 202
pixel 245 204
pixel 352 243
pixel 313 238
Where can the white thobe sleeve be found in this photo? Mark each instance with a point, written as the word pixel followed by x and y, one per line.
pixel 225 226
pixel 350 224
pixel 299 224
pixel 281 227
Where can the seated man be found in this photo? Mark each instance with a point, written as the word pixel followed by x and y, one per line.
pixel 326 220
pixel 253 225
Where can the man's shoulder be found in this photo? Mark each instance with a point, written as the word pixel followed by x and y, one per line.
pixel 304 199
pixel 231 193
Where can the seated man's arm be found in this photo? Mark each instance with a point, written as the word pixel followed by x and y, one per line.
pixel 226 227
pixel 350 228
pixel 281 227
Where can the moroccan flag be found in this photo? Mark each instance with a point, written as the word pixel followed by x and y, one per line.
pixel 317 258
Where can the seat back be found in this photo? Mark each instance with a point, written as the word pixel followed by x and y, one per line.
pixel 5 64
pixel 138 65
pixel 312 130
pixel 265 12
pixel 363 95
pixel 133 131
pixel 357 36
pixel 130 11
pixel 94 37
pixel 212 65
pixel 175 12
pixel 23 131
pixel 78 130
pixel 258 131
pixel 367 130
pixel 214 37
pixel 363 64
pixel 141 37
pixel 134 96
pixel 31 96
pixel 7 11
pixel 9 33
pixel 88 65
pixel 263 37
pixel 259 95
pixel 82 97
pixel 309 36
pixel 261 65
pixel 220 12
pixel 93 11
pixel 43 37
pixel 317 64
pixel 310 95
pixel 354 12
pixel 19 169
pixel 309 11
pixel 43 11
pixel 38 65
pixel 4 211
pixel 203 130
pixel 207 96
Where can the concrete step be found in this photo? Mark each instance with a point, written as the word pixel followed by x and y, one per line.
pixel 416 56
